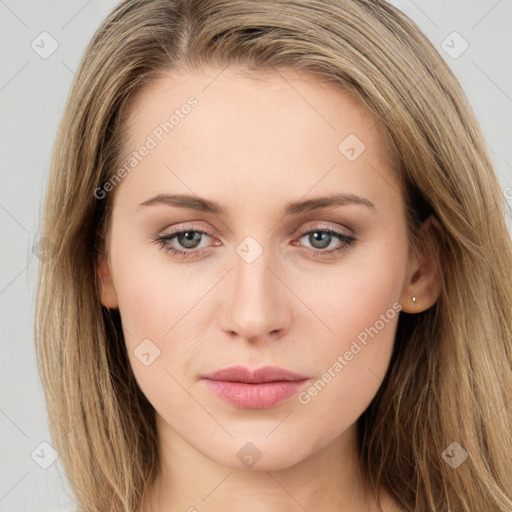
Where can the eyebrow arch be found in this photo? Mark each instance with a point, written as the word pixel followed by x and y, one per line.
pixel 294 208
pixel 325 202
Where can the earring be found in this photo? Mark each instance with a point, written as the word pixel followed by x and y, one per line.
pixel 414 299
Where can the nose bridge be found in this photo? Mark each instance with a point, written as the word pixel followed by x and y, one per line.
pixel 255 306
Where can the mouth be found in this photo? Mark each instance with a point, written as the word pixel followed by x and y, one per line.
pixel 261 388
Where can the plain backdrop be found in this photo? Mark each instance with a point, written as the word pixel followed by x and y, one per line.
pixel 34 84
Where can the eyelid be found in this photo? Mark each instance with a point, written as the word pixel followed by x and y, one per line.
pixel 303 231
pixel 320 227
pixel 189 227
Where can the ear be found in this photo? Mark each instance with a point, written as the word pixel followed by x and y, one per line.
pixel 424 276
pixel 108 295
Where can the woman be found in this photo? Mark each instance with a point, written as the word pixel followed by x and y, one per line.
pixel 281 269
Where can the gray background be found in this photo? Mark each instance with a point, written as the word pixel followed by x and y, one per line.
pixel 33 91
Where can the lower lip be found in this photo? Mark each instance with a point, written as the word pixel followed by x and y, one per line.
pixel 254 396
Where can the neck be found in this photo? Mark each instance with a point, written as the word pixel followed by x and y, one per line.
pixel 328 480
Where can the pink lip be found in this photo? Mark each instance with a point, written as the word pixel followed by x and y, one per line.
pixel 254 389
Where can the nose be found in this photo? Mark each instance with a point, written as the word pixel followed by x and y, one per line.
pixel 257 302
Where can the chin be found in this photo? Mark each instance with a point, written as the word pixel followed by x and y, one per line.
pixel 260 455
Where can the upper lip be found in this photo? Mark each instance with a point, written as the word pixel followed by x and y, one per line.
pixel 255 376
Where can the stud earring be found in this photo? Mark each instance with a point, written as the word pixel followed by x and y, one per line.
pixel 414 299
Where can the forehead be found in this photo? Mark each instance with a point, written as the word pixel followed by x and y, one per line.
pixel 254 127
pixel 269 96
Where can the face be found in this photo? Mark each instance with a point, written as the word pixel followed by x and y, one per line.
pixel 287 248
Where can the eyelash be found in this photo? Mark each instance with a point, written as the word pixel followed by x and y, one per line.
pixel 161 240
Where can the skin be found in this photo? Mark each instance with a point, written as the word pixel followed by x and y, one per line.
pixel 253 144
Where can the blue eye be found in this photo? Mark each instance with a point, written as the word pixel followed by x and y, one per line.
pixel 323 238
pixel 190 239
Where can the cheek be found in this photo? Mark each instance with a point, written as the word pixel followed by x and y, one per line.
pixel 153 293
pixel 352 296
pixel 360 304
pixel 156 324
pixel 359 301
pixel 162 307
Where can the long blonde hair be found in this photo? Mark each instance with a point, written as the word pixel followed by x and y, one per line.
pixel 450 377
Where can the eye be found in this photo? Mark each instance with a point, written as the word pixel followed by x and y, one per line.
pixel 184 242
pixel 321 238
pixel 187 242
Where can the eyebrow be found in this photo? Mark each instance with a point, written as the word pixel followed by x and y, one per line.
pixel 294 208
